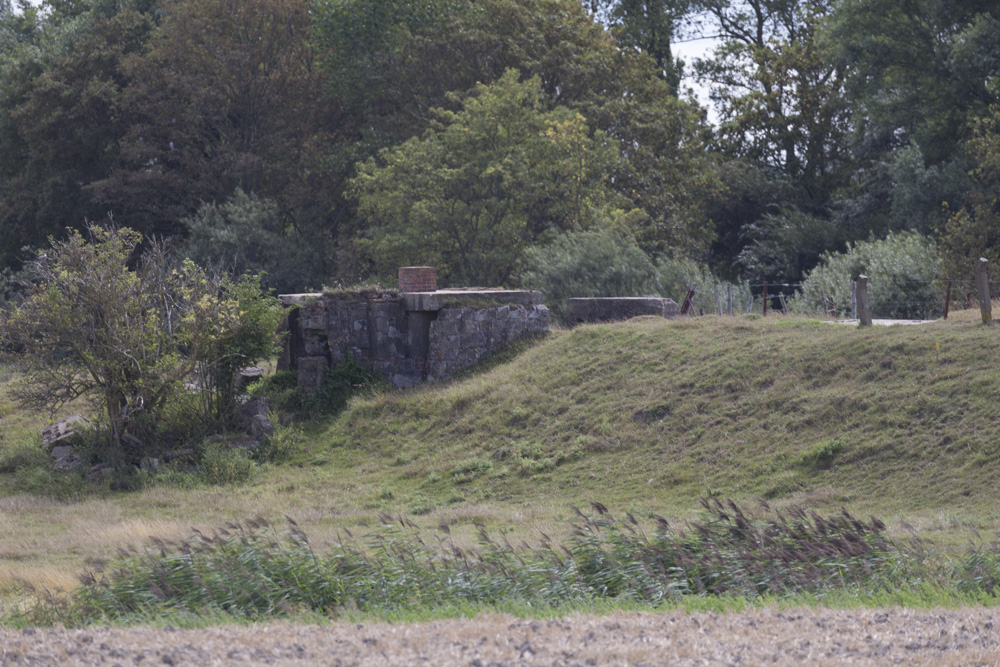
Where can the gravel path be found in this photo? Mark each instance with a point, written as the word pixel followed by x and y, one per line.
pixel 803 636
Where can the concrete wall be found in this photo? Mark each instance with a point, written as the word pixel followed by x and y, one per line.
pixel 407 338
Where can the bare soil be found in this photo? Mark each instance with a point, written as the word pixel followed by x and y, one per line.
pixel 801 636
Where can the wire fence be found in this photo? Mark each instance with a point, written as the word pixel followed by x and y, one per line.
pixel 888 298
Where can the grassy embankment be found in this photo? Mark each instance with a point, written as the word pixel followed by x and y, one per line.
pixel 645 416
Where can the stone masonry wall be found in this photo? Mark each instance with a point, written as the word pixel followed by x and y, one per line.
pixel 405 346
pixel 460 337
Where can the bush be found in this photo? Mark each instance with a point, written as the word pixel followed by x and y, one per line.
pixel 128 329
pixel 904 277
pixel 246 234
pixel 598 262
pixel 222 463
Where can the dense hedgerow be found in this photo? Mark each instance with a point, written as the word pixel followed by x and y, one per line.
pixel 247 571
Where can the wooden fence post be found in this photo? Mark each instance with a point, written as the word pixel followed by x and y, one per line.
pixel 983 288
pixel 688 301
pixel 864 312
pixel 765 298
pixel 947 299
pixel 854 299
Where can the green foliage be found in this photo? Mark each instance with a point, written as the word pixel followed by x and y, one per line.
pixel 20 455
pixel 340 383
pixel 233 325
pixel 483 184
pixel 821 455
pixel 248 235
pixel 281 390
pixel 904 277
pixel 918 70
pixel 129 337
pixel 597 262
pixel 973 231
pixel 648 26
pixel 223 463
pixel 783 245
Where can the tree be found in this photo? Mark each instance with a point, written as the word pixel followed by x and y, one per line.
pixel 483 183
pixel 973 231
pixel 247 234
pixel 432 55
pixel 650 26
pixel 224 97
pixel 780 101
pixel 129 337
pixel 919 70
pixel 593 262
pixel 61 122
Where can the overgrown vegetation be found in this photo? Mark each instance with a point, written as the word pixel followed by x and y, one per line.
pixel 247 571
pixel 127 330
pixel 904 271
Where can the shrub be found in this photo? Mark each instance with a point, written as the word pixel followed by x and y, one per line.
pixel 591 263
pixel 222 463
pixel 249 235
pixel 127 329
pixel 904 273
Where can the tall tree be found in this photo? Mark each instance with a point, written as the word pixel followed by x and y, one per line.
pixel 780 101
pixel 225 97
pixel 61 123
pixel 483 184
pixel 649 25
pixel 919 69
pixel 973 231
pixel 409 67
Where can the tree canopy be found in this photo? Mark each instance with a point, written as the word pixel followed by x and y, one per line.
pixel 327 141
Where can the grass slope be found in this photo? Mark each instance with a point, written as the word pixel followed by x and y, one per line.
pixel 895 420
pixel 646 416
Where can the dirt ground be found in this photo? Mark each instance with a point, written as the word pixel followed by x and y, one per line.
pixel 804 636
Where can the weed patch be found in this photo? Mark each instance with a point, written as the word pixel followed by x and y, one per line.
pixel 247 571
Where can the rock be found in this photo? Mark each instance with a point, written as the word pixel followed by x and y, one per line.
pixel 261 427
pixel 68 462
pixel 62 429
pixel 253 418
pixel 61 452
pixel 248 376
pixel 311 371
pixel 149 463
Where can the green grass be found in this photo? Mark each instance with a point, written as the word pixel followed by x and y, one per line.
pixel 647 416
pixel 654 414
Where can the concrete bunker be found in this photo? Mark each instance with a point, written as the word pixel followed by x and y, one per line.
pixel 416 334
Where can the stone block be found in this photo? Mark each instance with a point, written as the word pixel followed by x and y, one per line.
pixel 61 429
pixel 313 316
pixel 311 371
pixel 610 309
